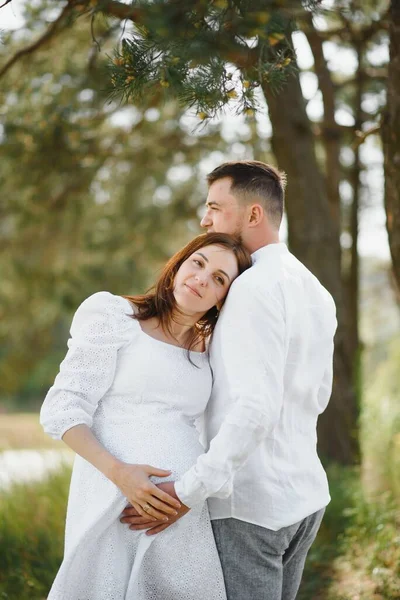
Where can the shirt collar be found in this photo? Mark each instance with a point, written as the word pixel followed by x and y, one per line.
pixel 269 250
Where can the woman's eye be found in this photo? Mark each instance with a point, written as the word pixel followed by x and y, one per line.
pixel 197 262
pixel 220 280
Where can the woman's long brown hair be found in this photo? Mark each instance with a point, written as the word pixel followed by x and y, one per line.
pixel 160 301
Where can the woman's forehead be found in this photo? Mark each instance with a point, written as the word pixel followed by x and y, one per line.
pixel 218 256
pixel 213 250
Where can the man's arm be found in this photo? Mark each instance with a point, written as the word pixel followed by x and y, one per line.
pixel 252 337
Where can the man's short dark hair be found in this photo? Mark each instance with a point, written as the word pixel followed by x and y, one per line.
pixel 253 180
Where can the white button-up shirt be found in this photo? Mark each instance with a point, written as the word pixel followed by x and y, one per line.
pixel 271 355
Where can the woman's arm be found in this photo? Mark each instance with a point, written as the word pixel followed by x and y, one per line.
pixel 132 480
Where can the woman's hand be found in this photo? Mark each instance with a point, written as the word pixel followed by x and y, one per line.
pixel 144 496
pixel 137 522
pixel 133 480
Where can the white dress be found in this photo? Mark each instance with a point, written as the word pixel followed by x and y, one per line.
pixel 140 396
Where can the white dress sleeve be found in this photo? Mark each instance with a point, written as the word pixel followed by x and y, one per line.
pixel 101 326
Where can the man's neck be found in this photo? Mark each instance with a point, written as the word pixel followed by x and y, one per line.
pixel 259 242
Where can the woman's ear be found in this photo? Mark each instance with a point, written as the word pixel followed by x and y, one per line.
pixel 256 215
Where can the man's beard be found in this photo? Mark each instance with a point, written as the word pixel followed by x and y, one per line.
pixel 237 233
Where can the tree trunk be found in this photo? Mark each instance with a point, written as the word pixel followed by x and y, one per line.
pixel 331 134
pixel 353 276
pixel 314 237
pixel 391 141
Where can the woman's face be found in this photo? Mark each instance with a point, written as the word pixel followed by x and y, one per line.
pixel 203 280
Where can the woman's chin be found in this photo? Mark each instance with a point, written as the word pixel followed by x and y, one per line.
pixel 191 309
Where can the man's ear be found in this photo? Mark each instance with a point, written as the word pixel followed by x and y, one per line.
pixel 256 215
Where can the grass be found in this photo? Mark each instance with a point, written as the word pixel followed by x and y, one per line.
pixel 23 430
pixel 356 555
pixel 32 520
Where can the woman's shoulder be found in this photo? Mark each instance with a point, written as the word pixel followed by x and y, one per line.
pixel 106 311
pixel 107 303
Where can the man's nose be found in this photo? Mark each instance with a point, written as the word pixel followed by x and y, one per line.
pixel 206 220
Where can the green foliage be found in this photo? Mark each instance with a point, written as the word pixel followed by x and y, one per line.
pixel 206 54
pixel 32 521
pixel 94 195
pixel 356 554
pixel 380 436
pixel 357 551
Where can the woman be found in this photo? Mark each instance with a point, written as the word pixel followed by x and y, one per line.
pixel 135 378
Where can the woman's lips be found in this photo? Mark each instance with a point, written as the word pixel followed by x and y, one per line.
pixel 193 290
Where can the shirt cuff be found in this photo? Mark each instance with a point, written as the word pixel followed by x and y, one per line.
pixel 190 490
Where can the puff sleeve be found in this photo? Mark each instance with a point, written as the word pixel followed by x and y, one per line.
pixel 100 327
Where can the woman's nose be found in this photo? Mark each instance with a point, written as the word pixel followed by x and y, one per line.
pixel 202 278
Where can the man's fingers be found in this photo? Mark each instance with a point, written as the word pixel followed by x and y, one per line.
pixel 135 520
pixel 157 529
pixel 129 511
pixel 140 527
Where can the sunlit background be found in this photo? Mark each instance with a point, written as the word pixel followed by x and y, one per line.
pixel 97 194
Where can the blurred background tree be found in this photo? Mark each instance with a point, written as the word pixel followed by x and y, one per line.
pixel 391 140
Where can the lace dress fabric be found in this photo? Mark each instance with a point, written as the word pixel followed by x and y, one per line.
pixel 141 397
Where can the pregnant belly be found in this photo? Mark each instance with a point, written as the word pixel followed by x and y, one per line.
pixel 165 441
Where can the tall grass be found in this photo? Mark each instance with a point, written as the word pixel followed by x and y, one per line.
pixel 380 420
pixel 32 520
pixel 355 557
pixel 357 552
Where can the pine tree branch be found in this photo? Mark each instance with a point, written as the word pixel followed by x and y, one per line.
pixel 43 40
pixel 361 136
pixel 240 55
pixel 322 128
pixel 116 9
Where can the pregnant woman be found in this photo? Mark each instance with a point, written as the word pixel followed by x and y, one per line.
pixel 135 378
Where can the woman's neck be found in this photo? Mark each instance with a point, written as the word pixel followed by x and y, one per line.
pixel 180 325
pixel 177 331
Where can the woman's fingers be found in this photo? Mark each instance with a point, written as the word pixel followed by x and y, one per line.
pixel 143 513
pixel 165 498
pixel 151 511
pixel 157 472
pixel 162 506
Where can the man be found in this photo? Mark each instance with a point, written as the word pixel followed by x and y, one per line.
pixel 271 356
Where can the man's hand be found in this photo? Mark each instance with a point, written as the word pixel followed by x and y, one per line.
pixel 137 522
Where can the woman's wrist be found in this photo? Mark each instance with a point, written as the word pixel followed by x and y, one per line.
pixel 113 469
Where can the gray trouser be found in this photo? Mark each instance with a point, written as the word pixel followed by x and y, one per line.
pixel 261 564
